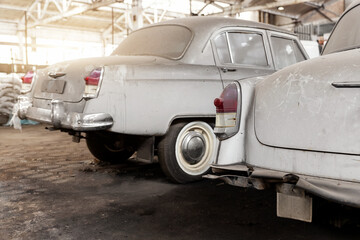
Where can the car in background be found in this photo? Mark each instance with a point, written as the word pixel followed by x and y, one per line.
pixel 152 95
pixel 297 130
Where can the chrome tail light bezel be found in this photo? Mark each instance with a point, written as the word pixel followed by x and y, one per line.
pixel 29 85
pixel 90 95
pixel 225 132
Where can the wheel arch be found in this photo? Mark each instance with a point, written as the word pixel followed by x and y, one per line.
pixel 210 119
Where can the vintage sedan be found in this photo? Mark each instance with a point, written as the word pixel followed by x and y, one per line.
pixel 297 129
pixel 152 95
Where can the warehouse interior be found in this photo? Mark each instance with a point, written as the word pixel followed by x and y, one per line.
pixel 236 130
pixel 37 33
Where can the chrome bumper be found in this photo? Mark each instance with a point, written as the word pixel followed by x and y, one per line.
pixel 59 118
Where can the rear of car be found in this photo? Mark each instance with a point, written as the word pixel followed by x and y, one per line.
pixel 58 98
pixel 298 129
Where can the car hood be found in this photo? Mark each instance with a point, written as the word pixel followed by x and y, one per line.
pixel 312 105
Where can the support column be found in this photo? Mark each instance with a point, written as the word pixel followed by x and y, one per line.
pixel 137 17
pixel 21 46
pixel 26 40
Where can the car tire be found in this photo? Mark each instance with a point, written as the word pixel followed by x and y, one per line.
pixel 187 151
pixel 105 150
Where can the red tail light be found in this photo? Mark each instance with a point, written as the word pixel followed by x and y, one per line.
pixel 228 100
pixel 93 83
pixel 27 78
pixel 227 111
pixel 94 77
pixel 27 82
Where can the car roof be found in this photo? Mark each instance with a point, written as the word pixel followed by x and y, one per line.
pixel 211 24
pixel 202 29
pixel 353 4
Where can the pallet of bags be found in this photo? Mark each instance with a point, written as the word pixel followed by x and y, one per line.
pixel 10 87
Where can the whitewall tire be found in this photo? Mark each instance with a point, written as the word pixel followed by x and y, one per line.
pixel 187 151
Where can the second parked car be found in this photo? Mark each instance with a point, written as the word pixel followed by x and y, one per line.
pixel 153 94
pixel 298 130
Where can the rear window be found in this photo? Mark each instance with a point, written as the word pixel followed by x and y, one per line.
pixel 168 41
pixel 346 34
pixel 286 52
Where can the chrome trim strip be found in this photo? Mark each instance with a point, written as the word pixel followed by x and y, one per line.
pixel 346 84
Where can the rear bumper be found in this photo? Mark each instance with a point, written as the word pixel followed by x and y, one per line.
pixel 59 118
pixel 241 175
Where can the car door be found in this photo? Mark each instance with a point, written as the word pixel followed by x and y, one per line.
pixel 242 53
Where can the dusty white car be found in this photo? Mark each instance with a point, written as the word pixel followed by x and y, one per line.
pixel 299 128
pixel 152 95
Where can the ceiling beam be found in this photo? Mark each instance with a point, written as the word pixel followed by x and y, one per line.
pixel 321 7
pixel 237 8
pixel 311 13
pixel 323 15
pixel 72 12
pixel 282 14
pixel 29 9
pixel 149 12
pixel 5 20
pixel 108 30
pixel 23 9
pixel 277 4
pixel 12 7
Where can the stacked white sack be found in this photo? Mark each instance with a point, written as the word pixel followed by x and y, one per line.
pixel 10 87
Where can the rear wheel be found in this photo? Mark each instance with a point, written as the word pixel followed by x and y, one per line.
pixel 107 148
pixel 187 151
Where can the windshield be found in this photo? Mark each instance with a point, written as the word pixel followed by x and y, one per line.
pixel 168 41
pixel 346 34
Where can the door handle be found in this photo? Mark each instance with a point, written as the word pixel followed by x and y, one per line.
pixel 224 69
pixel 346 84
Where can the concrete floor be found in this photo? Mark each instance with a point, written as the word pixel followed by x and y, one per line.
pixel 52 188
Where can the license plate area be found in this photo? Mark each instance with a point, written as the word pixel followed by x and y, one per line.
pixel 53 86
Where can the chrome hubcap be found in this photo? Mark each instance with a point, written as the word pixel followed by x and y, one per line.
pixel 193 147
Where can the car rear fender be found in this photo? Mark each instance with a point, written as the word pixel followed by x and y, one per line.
pixel 232 150
pixel 112 96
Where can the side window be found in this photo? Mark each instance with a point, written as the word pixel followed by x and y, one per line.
pixel 241 48
pixel 286 52
pixel 247 49
pixel 222 48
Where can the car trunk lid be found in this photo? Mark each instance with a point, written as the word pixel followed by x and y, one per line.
pixel 65 81
pixel 312 106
